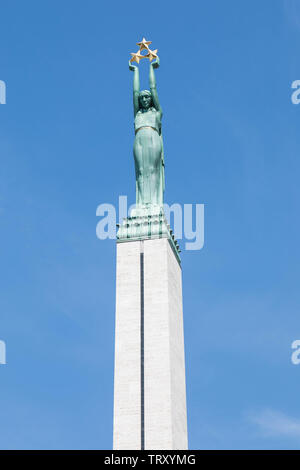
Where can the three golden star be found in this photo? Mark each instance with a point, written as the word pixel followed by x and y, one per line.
pixel 144 44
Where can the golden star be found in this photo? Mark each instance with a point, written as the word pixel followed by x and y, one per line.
pixel 144 44
pixel 152 54
pixel 136 57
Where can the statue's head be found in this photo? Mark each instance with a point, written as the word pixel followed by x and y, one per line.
pixel 145 99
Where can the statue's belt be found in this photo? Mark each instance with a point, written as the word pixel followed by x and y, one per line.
pixel 145 127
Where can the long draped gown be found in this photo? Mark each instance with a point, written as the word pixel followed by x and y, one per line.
pixel 148 157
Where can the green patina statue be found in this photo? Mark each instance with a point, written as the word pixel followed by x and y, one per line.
pixel 148 144
pixel 147 220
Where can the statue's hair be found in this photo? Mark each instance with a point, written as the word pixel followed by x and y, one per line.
pixel 145 92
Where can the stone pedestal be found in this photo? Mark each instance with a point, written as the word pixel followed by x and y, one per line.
pixel 149 384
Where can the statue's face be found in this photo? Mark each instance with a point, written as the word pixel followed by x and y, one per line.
pixel 145 101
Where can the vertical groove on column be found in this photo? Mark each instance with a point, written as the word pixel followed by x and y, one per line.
pixel 142 350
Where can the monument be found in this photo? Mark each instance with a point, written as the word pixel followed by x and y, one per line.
pixel 149 379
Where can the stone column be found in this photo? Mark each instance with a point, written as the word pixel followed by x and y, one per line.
pixel 149 388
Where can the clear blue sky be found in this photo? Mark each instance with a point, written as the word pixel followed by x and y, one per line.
pixel 232 142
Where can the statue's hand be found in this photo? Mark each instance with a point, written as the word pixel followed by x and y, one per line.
pixel 132 67
pixel 156 63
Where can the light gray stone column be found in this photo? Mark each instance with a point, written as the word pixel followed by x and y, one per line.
pixel 164 394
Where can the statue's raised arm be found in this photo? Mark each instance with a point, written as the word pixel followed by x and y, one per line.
pixel 136 87
pixel 152 83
